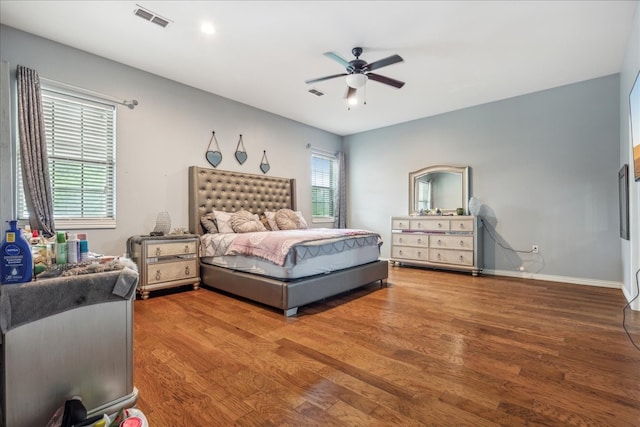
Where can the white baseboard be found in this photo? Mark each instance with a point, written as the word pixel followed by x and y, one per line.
pixel 550 278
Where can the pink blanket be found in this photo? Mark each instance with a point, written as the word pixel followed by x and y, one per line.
pixel 275 245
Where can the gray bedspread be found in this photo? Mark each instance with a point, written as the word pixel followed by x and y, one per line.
pixel 27 302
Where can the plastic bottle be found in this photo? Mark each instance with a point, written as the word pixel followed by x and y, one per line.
pixel 61 248
pixel 17 261
pixel 73 249
pixel 84 250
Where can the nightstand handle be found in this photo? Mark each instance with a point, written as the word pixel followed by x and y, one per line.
pixel 158 251
pixel 157 274
pixel 186 271
pixel 186 249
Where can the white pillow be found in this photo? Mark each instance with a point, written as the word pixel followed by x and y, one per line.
pixel 223 221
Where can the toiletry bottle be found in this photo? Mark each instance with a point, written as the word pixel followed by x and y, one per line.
pixel 17 261
pixel 84 250
pixel 73 249
pixel 61 248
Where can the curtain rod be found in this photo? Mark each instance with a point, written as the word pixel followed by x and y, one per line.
pixel 131 104
pixel 321 150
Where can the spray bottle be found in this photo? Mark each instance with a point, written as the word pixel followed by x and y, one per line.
pixel 17 261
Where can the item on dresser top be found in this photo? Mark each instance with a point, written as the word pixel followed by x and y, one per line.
pixel 163 224
pixel 17 260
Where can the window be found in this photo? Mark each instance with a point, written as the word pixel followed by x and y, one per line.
pixel 80 135
pixel 323 186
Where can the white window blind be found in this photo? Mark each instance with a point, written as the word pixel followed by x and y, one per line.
pixel 80 135
pixel 323 185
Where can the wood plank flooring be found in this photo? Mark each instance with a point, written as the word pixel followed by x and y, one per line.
pixel 431 349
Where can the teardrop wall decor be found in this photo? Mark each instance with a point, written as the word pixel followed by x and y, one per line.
pixel 264 163
pixel 214 157
pixel 241 155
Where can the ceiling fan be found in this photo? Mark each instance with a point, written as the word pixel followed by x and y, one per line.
pixel 359 71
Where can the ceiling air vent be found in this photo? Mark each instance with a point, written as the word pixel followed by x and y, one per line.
pixel 147 15
pixel 316 92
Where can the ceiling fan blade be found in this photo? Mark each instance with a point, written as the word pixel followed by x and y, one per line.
pixel 393 59
pixel 338 58
pixel 386 80
pixel 325 78
pixel 351 92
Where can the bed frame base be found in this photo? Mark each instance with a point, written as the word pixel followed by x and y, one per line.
pixel 288 296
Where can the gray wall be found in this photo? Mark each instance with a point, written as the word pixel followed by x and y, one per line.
pixel 630 248
pixel 166 133
pixel 543 165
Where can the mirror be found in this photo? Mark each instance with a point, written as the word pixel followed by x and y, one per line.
pixel 444 187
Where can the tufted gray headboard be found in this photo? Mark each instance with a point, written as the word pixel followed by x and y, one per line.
pixel 211 189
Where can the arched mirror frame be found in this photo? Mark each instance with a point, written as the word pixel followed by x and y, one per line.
pixel 464 197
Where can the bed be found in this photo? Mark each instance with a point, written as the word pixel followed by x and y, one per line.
pixel 283 287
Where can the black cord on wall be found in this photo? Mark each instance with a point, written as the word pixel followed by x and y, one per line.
pixel 625 308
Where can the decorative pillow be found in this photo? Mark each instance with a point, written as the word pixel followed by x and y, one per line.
pixel 286 219
pixel 265 222
pixel 271 219
pixel 246 222
pixel 209 224
pixel 223 221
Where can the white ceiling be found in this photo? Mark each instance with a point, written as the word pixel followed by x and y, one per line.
pixel 456 53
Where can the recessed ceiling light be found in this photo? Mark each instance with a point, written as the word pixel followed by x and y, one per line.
pixel 207 28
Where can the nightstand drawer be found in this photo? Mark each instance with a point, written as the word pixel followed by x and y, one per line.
pixel 170 248
pixel 175 270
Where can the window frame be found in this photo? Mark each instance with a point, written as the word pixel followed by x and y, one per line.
pixel 333 159
pixel 77 222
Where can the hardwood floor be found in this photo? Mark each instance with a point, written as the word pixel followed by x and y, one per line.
pixel 431 349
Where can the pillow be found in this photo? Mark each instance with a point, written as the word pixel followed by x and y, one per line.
pixel 286 219
pixel 265 222
pixel 208 223
pixel 223 221
pixel 246 222
pixel 271 219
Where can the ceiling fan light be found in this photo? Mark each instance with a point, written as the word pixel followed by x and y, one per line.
pixel 356 81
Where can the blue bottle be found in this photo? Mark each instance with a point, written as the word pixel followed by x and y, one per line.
pixel 17 261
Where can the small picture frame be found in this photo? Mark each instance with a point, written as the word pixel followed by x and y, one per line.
pixel 623 196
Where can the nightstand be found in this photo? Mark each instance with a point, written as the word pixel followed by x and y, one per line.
pixel 165 261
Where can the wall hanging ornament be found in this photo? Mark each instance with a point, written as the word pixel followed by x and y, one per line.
pixel 213 157
pixel 264 163
pixel 241 154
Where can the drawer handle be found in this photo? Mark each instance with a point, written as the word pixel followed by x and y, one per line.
pixel 400 240
pixel 439 225
pixel 419 254
pixel 461 225
pixel 419 240
pixel 157 274
pixel 461 242
pixel 461 258
pixel 439 242
pixel 400 251
pixel 187 273
pixel 158 251
pixel 438 256
pixel 186 249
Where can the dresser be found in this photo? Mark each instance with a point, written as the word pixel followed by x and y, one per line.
pixel 444 242
pixel 165 261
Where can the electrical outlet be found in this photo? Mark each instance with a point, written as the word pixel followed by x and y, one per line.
pixel 534 249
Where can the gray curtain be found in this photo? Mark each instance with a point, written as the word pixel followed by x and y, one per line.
pixel 340 196
pixel 33 152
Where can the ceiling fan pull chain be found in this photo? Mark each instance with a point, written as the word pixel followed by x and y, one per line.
pixel 213 157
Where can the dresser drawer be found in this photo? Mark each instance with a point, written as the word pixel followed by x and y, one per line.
pixel 161 249
pixel 400 224
pixel 462 225
pixel 409 252
pixel 410 240
pixel 436 224
pixel 451 242
pixel 451 256
pixel 175 270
